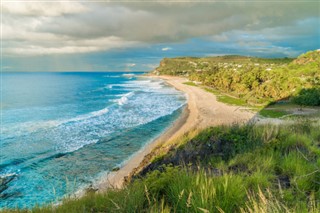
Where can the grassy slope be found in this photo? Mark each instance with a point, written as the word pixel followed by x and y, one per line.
pixel 254 82
pixel 239 168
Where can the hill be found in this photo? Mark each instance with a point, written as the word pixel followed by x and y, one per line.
pixel 254 80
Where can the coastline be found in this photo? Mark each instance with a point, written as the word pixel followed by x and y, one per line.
pixel 202 110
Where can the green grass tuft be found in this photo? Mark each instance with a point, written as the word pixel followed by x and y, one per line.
pixel 226 98
pixel 269 113
pixel 190 83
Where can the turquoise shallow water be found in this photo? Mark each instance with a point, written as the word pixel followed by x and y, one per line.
pixel 61 131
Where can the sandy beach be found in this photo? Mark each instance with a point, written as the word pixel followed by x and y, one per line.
pixel 202 110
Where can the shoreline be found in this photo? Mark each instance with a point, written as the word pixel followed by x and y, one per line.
pixel 116 179
pixel 202 110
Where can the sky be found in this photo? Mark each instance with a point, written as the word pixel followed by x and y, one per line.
pixel 136 35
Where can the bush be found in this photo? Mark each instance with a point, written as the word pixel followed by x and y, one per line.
pixel 308 97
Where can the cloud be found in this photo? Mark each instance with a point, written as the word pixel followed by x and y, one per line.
pixel 131 65
pixel 150 66
pixel 166 48
pixel 43 8
pixel 37 28
pixel 290 40
pixel 68 46
pixel 220 38
pixel 6 67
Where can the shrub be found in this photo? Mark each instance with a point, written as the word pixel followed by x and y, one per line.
pixel 308 97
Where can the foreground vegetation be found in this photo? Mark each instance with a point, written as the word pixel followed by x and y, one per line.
pixel 255 81
pixel 222 169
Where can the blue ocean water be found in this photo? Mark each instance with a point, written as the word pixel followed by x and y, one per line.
pixel 61 132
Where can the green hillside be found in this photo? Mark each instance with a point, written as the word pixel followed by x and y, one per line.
pixel 254 80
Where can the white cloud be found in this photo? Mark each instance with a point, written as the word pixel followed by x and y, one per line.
pixel 6 67
pixel 150 66
pixel 220 38
pixel 55 8
pixel 166 48
pixel 131 65
pixel 69 46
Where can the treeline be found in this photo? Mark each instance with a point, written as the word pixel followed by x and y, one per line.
pixel 254 80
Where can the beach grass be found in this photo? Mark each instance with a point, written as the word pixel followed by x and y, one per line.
pixel 271 113
pixel 190 83
pixel 263 168
pixel 227 99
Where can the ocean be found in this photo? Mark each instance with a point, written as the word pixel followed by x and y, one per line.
pixel 61 132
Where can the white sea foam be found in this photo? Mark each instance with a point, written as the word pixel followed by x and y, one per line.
pixel 111 76
pixel 142 85
pixel 80 117
pixel 75 145
pixel 99 112
pixel 122 101
pixel 130 75
pixel 123 98
pixel 29 127
pixel 8 175
pixel 141 109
